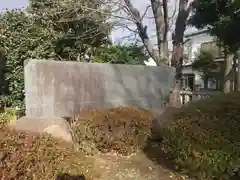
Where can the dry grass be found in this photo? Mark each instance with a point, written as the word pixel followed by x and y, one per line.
pixel 25 156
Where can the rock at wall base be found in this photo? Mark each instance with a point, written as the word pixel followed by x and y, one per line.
pixel 56 126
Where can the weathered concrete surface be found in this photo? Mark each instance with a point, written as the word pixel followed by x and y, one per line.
pixel 63 88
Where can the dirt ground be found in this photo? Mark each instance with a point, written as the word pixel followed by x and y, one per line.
pixel 136 167
pixel 149 164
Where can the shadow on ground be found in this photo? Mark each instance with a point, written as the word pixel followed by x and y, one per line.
pixel 153 149
pixel 66 176
pixel 154 152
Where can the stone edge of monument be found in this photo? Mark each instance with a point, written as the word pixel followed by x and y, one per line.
pixel 52 61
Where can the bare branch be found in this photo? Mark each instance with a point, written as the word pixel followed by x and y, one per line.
pixel 161 22
pixel 184 11
pixel 142 30
pixel 173 17
pixel 146 10
pixel 96 10
pixel 130 37
pixel 177 37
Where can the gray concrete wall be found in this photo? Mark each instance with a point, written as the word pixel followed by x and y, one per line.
pixel 64 88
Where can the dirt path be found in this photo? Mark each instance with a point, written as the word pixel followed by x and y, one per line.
pixel 141 166
pixel 136 167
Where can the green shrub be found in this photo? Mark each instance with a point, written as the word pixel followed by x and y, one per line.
pixel 28 156
pixel 203 139
pixel 123 130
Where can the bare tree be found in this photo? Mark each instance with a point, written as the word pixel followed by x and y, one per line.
pixel 163 23
pixel 161 17
pixel 135 20
pixel 142 30
pixel 185 7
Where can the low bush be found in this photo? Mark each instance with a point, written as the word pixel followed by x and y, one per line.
pixel 203 139
pixel 123 130
pixel 26 156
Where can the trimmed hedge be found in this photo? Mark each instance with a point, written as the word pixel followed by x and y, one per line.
pixel 123 130
pixel 203 139
pixel 30 156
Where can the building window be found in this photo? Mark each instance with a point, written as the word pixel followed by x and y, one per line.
pixel 187 81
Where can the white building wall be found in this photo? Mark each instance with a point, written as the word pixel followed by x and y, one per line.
pixel 192 47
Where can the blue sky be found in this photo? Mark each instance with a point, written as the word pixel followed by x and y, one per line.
pixel 12 4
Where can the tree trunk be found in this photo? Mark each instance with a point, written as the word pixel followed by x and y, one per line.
pixel 177 56
pixel 237 85
pixel 165 32
pixel 175 96
pixel 161 28
pixel 228 61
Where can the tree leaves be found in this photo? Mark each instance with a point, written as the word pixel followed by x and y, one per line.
pixel 121 55
pixel 205 62
pixel 38 33
pixel 221 18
